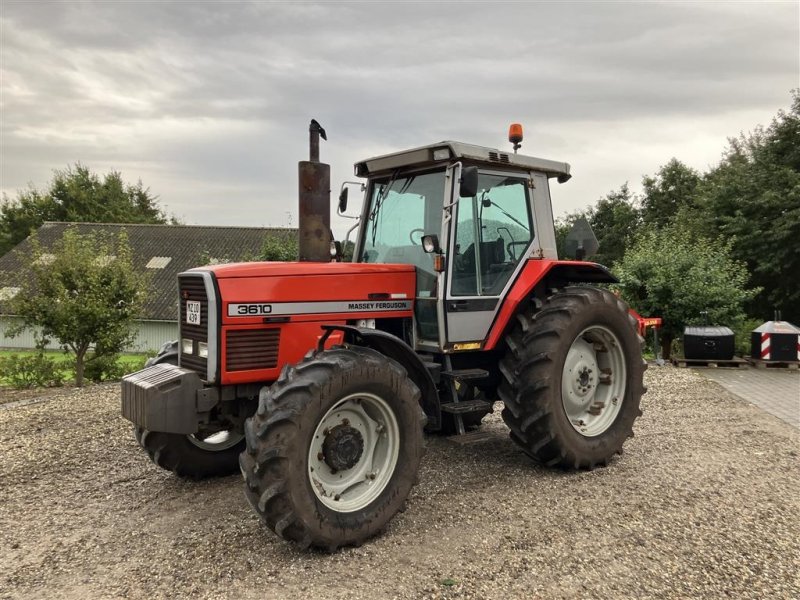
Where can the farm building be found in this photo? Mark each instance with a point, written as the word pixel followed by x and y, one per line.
pixel 162 250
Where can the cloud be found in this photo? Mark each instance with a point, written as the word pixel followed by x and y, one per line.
pixel 208 103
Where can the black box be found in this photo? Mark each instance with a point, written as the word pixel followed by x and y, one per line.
pixel 708 343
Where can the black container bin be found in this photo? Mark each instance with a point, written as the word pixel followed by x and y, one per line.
pixel 708 343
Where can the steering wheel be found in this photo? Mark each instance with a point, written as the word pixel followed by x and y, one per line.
pixel 510 248
pixel 411 236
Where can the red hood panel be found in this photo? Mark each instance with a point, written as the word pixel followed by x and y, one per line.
pixel 253 292
pixel 283 269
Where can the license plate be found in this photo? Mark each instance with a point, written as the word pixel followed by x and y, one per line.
pixel 192 312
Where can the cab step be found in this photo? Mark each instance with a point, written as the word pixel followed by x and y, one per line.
pixel 468 406
pixel 466 374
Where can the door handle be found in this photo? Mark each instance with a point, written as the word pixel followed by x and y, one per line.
pixel 456 305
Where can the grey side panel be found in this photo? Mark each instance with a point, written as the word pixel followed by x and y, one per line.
pixel 545 240
pixel 468 326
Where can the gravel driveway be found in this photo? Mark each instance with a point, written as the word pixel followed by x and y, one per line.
pixel 704 503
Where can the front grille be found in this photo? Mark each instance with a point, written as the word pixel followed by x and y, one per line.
pixel 192 287
pixel 247 349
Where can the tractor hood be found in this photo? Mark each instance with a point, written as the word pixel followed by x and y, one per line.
pixel 287 269
pixel 264 292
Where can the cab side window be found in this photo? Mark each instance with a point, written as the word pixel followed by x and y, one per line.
pixel 493 231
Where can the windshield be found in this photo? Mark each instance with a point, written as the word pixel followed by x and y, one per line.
pixel 403 208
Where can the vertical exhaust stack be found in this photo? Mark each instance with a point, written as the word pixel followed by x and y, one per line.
pixel 314 235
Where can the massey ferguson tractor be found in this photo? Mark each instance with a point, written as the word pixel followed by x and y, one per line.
pixel 317 378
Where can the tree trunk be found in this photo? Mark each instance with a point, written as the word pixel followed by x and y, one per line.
pixel 79 366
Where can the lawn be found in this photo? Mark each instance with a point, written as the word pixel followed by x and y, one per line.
pixel 66 362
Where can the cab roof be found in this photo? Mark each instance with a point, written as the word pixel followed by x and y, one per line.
pixel 444 152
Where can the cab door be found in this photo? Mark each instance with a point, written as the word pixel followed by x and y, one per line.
pixel 491 236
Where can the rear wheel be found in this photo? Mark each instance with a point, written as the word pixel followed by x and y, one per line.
pixel 572 378
pixel 333 450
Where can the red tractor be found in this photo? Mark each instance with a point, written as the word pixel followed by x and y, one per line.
pixel 317 379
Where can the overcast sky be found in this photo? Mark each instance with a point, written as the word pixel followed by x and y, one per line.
pixel 209 103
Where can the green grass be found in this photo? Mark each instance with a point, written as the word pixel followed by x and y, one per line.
pixel 66 362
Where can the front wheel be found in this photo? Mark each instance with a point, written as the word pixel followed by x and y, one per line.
pixel 572 378
pixel 196 456
pixel 208 453
pixel 333 450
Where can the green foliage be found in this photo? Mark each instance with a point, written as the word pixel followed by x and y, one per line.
pixel 742 333
pixel 673 275
pixel 281 248
pixel 348 249
pixel 753 199
pixel 38 370
pixel 105 368
pixel 614 222
pixel 672 189
pixel 86 297
pixel 76 195
pixel 563 226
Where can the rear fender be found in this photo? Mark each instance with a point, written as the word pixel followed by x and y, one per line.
pixel 543 273
pixel 393 347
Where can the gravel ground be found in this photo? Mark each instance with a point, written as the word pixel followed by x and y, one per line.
pixel 704 503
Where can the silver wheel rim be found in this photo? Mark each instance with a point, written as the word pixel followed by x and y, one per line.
pixel 217 441
pixel 354 488
pixel 593 381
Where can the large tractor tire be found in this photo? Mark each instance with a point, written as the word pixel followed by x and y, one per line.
pixel 333 450
pixel 193 456
pixel 573 378
pixel 204 454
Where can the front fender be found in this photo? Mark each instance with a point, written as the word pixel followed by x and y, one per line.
pixel 393 347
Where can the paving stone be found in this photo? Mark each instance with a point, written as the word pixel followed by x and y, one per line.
pixel 775 391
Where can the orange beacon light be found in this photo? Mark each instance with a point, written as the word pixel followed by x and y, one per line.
pixel 515 135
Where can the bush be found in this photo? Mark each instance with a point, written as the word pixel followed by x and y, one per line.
pixel 104 368
pixel 279 248
pixel 672 274
pixel 32 371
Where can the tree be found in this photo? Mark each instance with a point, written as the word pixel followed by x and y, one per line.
pixel 85 293
pixel 753 199
pixel 673 275
pixel 76 195
pixel 673 188
pixel 614 222
pixel 280 247
pixel 563 225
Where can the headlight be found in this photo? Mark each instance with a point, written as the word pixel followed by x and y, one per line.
pixel 202 349
pixel 187 346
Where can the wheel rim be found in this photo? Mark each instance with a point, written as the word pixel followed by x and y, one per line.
pixel 593 381
pixel 216 441
pixel 353 452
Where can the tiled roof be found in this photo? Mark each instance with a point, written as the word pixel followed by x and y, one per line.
pixel 186 246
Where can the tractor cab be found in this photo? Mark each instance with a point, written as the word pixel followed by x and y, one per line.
pixel 468 218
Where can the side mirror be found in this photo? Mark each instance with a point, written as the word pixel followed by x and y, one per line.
pixel 343 200
pixel 469 182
